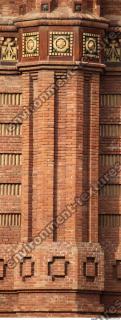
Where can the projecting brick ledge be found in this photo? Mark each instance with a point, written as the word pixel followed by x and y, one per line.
pixel 54 266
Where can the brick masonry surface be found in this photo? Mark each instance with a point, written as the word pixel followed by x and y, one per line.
pixel 60 140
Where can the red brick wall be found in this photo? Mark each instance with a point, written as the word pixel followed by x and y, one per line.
pixel 62 156
pixel 111 7
pixel 110 205
pixel 12 8
pixel 9 172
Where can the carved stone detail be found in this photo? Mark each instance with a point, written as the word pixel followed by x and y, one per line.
pixel 8 49
pixel 113 46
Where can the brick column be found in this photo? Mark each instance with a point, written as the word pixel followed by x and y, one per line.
pixel 27 143
pixel 43 156
pixel 94 157
pixel 60 150
pixel 70 150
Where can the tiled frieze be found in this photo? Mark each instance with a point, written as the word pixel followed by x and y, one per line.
pixel 59 44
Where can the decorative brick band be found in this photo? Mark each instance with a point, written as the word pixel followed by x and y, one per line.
pixel 10 189
pixel 109 159
pixel 110 100
pixel 110 130
pixel 10 220
pixel 10 129
pixel 110 220
pixel 113 190
pixel 10 159
pixel 13 99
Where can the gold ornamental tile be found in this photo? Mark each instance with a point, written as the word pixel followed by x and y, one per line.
pixel 91 45
pixel 61 44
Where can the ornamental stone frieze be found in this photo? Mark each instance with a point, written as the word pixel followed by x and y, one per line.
pixel 113 45
pixel 43 45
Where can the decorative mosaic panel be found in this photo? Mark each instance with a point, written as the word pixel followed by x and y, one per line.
pixel 61 44
pixel 113 46
pixel 30 44
pixel 91 46
pixel 9 49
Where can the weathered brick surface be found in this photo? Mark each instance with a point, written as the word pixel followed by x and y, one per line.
pixel 76 268
pixel 110 8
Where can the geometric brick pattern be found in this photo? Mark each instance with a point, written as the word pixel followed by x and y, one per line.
pixel 58 267
pixel 90 268
pixel 27 268
pixel 60 148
